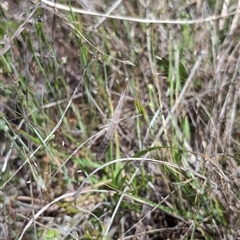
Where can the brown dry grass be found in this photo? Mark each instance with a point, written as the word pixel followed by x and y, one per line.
pixel 60 82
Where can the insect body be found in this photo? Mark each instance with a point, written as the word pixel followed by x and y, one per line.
pixel 111 128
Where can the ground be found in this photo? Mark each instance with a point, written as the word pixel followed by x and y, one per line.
pixel 150 86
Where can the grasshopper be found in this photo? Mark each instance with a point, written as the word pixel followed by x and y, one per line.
pixel 111 128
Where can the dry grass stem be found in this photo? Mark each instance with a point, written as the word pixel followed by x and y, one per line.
pixel 165 170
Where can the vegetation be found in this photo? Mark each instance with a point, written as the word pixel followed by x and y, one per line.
pixel 171 170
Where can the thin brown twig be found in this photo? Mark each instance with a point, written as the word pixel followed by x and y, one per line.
pixel 111 128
